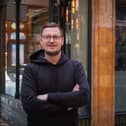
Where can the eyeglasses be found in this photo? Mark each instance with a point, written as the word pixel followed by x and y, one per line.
pixel 48 37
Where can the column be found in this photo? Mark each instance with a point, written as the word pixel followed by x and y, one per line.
pixel 103 56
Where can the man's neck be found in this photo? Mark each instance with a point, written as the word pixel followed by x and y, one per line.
pixel 53 59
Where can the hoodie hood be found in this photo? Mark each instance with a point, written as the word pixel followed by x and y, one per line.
pixel 38 57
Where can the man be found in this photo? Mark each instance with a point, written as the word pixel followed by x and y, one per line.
pixel 53 86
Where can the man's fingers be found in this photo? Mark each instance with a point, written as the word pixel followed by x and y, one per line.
pixel 76 87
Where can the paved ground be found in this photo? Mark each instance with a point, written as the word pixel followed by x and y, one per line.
pixel 3 123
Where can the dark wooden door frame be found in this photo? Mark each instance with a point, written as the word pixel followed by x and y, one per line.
pixel 2 44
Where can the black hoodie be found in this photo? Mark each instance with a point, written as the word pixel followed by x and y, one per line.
pixel 40 77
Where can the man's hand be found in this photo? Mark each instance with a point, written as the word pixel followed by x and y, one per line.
pixel 76 87
pixel 43 97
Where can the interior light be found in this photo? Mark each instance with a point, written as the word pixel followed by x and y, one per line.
pixel 77 5
pixel 73 6
pixel 13 25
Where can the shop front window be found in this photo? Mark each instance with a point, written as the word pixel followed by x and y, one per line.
pixel 76 31
pixel 76 35
pixel 32 16
pixel 79 29
pixel 120 63
pixel 13 54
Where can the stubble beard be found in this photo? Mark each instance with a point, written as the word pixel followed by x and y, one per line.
pixel 55 53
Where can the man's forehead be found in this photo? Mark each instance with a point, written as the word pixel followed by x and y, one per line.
pixel 51 30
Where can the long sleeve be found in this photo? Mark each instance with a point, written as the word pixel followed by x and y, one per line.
pixel 73 98
pixel 29 92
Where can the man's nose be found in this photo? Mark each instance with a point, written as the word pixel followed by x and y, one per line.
pixel 51 39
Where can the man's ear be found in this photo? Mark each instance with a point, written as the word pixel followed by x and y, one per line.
pixel 62 41
pixel 40 39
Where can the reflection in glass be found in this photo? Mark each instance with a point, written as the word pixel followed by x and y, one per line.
pixel 76 34
pixel 30 25
pixel 21 36
pixel 21 54
pixel 13 57
pixel 79 31
pixel 120 61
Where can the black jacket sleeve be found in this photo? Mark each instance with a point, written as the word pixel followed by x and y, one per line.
pixel 29 92
pixel 76 98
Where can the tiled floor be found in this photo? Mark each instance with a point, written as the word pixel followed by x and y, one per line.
pixel 2 123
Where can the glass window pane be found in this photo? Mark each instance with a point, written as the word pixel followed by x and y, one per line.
pixel 21 54
pixel 13 56
pixel 79 31
pixel 76 36
pixel 120 65
pixel 10 82
pixel 32 16
pixel 21 36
